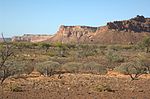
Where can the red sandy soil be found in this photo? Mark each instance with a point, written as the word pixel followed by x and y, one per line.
pixel 78 86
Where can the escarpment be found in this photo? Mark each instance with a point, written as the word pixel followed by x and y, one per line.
pixel 118 32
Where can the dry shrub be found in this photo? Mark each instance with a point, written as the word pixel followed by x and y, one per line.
pixel 72 67
pixel 93 67
pixel 48 68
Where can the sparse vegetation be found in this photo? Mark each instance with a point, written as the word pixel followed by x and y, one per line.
pixel 45 46
pixel 93 67
pixel 60 62
pixel 104 88
pixel 16 88
pixel 112 56
pixel 48 68
pixel 72 67
pixel 75 67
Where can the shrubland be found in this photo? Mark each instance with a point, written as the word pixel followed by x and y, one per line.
pixel 51 58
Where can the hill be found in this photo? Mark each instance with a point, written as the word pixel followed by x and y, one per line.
pixel 117 32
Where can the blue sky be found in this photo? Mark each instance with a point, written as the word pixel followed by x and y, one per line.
pixel 45 16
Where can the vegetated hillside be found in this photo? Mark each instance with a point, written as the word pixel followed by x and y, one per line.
pixel 117 32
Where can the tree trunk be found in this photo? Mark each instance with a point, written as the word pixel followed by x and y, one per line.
pixel 147 49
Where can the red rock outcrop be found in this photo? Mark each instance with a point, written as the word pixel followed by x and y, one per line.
pixel 117 32
pixel 127 31
pixel 137 24
pixel 68 34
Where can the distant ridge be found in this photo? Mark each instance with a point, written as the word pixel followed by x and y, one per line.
pixel 118 32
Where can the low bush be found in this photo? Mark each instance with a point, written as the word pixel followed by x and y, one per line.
pixel 85 50
pixel 16 88
pixel 15 68
pixel 146 64
pixel 48 68
pixel 104 88
pixel 93 67
pixel 61 60
pixel 71 67
pixel 114 57
pixel 114 47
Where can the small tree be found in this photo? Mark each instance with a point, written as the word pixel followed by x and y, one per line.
pixel 133 69
pixel 6 52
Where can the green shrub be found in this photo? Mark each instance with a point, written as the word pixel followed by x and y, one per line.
pixel 72 67
pixel 93 67
pixel 61 60
pixel 48 68
pixel 146 43
pixel 122 68
pixel 104 88
pixel 16 88
pixel 16 68
pixel 133 69
pixel 45 46
pixel 87 50
pixel 53 53
pixel 86 53
pixel 114 57
pixel 21 45
pixel 114 47
pixel 28 69
pixel 103 47
pixel 127 47
pixel 146 64
pixel 23 67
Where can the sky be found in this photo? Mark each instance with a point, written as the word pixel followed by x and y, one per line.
pixel 18 17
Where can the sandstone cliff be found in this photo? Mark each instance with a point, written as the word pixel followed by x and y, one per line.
pixel 117 32
pixel 127 31
pixel 69 34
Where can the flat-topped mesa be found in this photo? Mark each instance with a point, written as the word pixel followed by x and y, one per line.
pixel 77 28
pixel 74 33
pixel 31 38
pixel 118 32
pixel 137 24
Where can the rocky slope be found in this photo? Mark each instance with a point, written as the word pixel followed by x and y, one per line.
pixel 118 32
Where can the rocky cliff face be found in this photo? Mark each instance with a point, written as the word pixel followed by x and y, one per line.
pixel 127 31
pixel 68 34
pixel 137 24
pixel 117 32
